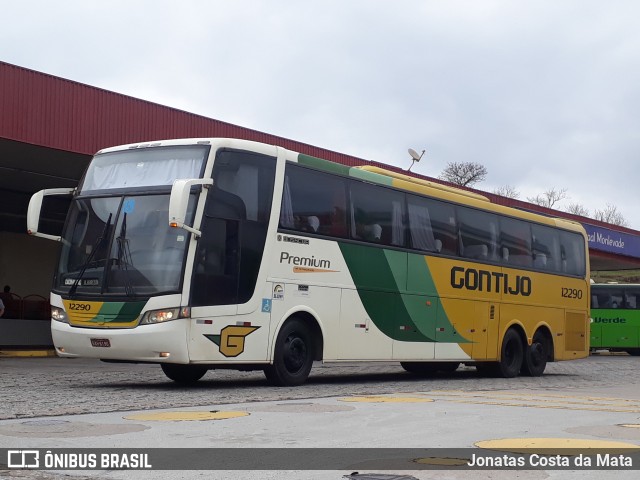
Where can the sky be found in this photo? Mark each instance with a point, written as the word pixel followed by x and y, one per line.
pixel 544 93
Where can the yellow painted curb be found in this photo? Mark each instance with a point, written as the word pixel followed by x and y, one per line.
pixel 630 425
pixel 185 416
pixel 564 445
pixel 381 399
pixel 27 353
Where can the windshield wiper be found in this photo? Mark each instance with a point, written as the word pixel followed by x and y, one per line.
pixel 101 239
pixel 124 256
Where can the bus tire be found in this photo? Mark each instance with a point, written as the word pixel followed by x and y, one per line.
pixel 633 351
pixel 535 355
pixel 184 374
pixel 293 355
pixel 511 354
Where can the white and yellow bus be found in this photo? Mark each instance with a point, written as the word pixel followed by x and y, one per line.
pixel 200 254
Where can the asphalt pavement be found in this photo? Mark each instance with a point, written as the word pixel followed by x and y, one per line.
pixel 374 419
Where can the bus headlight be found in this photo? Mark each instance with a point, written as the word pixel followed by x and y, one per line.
pixel 59 315
pixel 160 316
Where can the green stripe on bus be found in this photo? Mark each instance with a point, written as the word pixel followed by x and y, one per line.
pixel 331 167
pixel 120 311
pixel 323 164
pixel 369 267
pixel 132 309
pixel 380 279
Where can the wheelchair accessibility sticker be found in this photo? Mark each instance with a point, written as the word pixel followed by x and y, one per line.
pixel 266 305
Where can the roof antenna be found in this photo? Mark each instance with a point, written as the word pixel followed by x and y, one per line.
pixel 415 157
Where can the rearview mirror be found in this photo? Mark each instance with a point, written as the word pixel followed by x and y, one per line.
pixel 179 201
pixel 35 208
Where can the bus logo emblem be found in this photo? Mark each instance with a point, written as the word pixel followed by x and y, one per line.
pixel 232 339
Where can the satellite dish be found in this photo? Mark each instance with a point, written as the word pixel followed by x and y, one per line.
pixel 415 156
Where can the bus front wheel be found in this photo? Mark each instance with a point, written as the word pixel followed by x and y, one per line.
pixel 511 355
pixel 184 374
pixel 293 355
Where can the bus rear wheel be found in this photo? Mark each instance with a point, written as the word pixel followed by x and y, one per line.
pixel 511 355
pixel 185 374
pixel 293 355
pixel 535 355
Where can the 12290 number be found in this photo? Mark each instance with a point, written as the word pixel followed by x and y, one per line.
pixel 79 306
pixel 571 293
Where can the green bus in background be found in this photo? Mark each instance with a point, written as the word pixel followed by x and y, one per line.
pixel 615 310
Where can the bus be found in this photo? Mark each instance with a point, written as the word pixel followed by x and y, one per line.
pixel 615 313
pixel 201 254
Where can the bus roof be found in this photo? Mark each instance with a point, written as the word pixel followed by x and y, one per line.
pixel 421 182
pixel 374 174
pixel 444 192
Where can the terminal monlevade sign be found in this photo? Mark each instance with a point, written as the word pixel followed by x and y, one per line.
pixel 607 240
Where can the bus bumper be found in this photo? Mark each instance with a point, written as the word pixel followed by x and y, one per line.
pixel 159 343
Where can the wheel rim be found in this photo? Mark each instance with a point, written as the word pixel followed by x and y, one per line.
pixel 295 354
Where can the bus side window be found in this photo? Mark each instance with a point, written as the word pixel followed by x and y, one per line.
pixel 377 214
pixel 572 251
pixel 442 224
pixel 313 202
pixel 421 233
pixel 545 248
pixel 234 228
pixel 243 186
pixel 477 240
pixel 338 224
pixel 515 241
pixel 225 205
pixel 602 299
pixel 613 299
pixel 631 298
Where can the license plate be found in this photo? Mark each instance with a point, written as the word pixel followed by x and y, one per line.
pixel 100 342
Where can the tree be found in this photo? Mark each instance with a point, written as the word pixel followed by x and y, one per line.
pixel 549 198
pixel 465 174
pixel 577 209
pixel 507 191
pixel 610 215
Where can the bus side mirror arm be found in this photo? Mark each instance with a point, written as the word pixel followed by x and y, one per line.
pixel 179 201
pixel 35 208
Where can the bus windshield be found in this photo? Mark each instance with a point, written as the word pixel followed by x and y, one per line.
pixel 144 167
pixel 117 240
pixel 121 246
